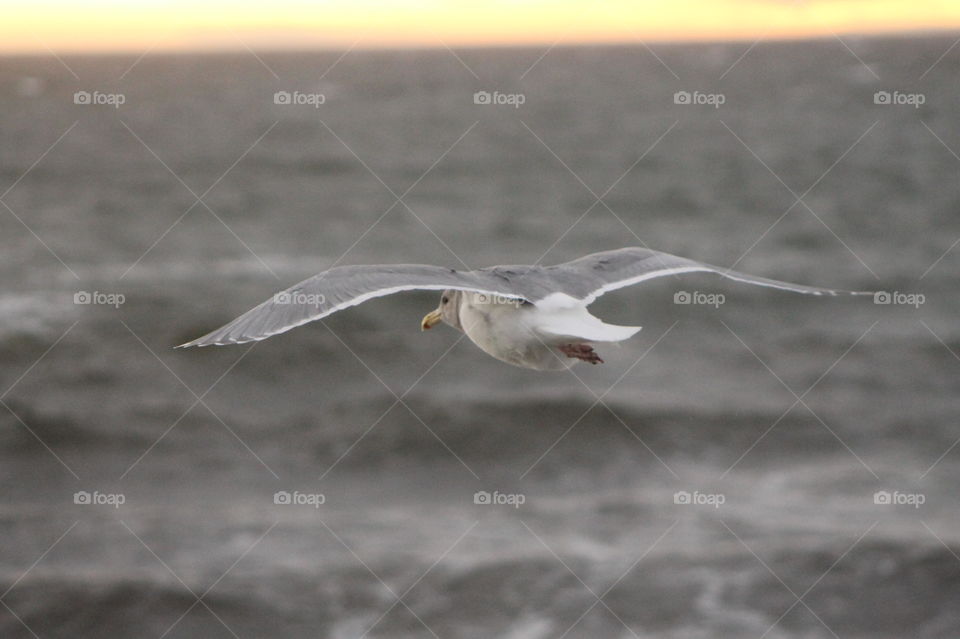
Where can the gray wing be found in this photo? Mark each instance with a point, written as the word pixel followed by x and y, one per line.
pixel 342 287
pixel 589 277
pixel 584 279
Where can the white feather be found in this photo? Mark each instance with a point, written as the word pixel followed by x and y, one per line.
pixel 575 322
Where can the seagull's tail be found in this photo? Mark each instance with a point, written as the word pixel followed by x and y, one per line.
pixel 615 333
pixel 577 323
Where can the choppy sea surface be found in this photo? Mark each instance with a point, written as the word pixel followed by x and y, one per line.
pixel 719 476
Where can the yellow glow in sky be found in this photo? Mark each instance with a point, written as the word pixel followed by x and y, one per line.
pixel 130 25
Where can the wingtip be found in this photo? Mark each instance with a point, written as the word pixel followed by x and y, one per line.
pixel 200 342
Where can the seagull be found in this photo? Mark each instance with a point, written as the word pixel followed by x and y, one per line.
pixel 530 316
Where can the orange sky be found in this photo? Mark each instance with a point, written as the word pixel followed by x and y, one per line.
pixel 132 25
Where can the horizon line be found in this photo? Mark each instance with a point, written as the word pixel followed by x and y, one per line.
pixel 156 50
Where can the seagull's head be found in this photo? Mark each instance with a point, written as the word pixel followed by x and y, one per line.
pixel 448 311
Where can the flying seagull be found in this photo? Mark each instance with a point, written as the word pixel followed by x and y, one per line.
pixel 529 316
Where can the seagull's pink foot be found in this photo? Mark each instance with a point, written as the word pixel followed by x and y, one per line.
pixel 583 352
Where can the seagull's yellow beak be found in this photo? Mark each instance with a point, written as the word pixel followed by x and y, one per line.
pixel 431 318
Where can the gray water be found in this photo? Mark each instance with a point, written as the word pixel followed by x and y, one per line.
pixel 95 399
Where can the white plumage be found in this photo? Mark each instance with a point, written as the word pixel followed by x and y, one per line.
pixel 531 335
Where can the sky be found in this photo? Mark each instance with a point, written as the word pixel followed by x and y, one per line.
pixel 67 26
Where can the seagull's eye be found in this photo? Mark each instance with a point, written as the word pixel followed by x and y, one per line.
pixel 444 300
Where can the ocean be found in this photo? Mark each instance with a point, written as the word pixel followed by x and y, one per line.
pixel 752 464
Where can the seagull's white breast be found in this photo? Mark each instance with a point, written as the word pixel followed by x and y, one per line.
pixel 507 330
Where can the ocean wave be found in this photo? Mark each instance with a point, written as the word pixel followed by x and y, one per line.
pixel 881 589
pixel 25 317
pixel 576 431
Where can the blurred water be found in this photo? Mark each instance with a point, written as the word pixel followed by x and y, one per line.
pixel 288 190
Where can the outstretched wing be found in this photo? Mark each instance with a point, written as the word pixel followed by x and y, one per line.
pixel 587 278
pixel 342 287
pixel 579 282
